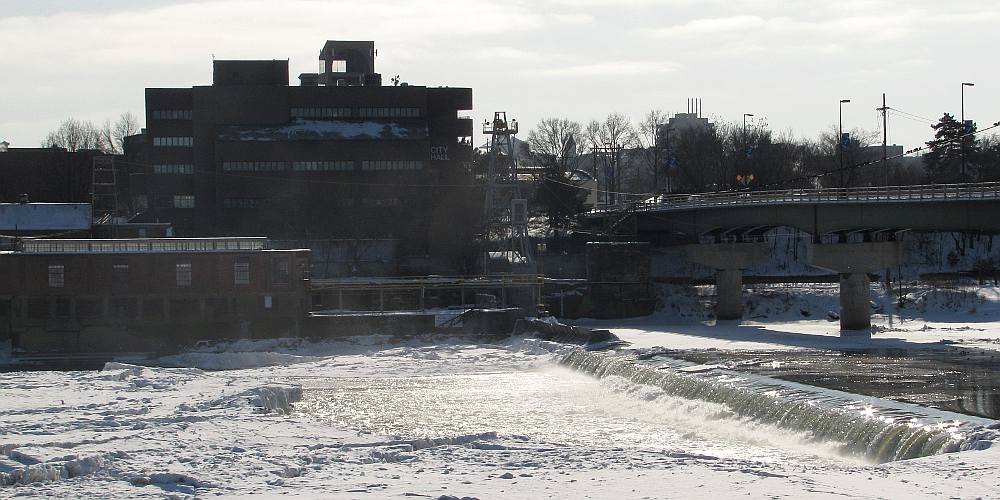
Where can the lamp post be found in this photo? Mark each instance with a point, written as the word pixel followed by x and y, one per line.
pixel 840 141
pixel 965 130
pixel 745 115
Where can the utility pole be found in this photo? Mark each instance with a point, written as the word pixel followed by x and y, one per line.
pixel 885 138
pixel 840 141
pixel 965 128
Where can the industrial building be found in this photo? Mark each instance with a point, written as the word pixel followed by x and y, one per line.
pixel 149 295
pixel 340 157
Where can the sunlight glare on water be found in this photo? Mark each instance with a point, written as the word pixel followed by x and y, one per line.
pixel 554 406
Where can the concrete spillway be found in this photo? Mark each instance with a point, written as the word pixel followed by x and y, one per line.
pixel 868 428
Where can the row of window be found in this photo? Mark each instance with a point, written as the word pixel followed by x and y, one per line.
pixel 243 203
pixel 184 142
pixel 187 201
pixel 174 168
pixel 143 245
pixel 182 273
pixel 253 166
pixel 320 112
pixel 171 114
pixel 392 165
pixel 183 201
pixel 315 166
pixel 309 112
pixel 389 112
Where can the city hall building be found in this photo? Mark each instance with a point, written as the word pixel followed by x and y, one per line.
pixel 339 156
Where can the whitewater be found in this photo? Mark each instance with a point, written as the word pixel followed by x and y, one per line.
pixel 374 417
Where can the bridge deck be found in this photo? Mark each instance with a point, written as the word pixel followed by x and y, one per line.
pixel 880 194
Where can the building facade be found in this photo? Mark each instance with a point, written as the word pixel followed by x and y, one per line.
pixel 148 295
pixel 338 157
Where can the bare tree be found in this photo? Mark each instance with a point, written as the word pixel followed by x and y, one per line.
pixel 650 126
pixel 75 135
pixel 650 158
pixel 107 138
pixel 615 129
pixel 127 124
pixel 555 138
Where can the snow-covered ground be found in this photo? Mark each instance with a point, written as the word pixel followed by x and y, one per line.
pixel 375 417
pixel 797 316
pixel 426 419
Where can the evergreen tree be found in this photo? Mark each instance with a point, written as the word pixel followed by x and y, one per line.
pixel 943 162
pixel 558 196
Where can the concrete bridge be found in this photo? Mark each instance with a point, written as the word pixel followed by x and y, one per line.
pixel 854 230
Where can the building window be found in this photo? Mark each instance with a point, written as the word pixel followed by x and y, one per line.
pixel 381 202
pixel 241 272
pixel 119 275
pixel 171 114
pixel 282 272
pixel 183 142
pixel 182 169
pixel 320 112
pixel 57 275
pixel 322 166
pixel 373 165
pixel 183 201
pixel 240 203
pixel 253 166
pixel 183 271
pixel 389 112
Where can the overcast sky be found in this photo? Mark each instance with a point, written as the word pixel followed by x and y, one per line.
pixel 788 62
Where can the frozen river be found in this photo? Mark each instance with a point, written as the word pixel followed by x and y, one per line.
pixel 439 418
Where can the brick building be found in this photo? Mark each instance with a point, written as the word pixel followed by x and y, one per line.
pixel 337 157
pixel 157 294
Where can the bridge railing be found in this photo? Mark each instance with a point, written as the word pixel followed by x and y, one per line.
pixel 925 192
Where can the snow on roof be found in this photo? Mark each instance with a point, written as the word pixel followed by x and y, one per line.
pixel 44 216
pixel 325 130
pixel 580 176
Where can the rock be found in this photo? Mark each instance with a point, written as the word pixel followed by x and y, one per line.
pixel 507 475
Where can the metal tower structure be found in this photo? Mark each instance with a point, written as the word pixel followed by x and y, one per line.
pixel 104 189
pixel 505 208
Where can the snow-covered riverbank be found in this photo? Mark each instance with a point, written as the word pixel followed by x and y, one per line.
pixel 422 419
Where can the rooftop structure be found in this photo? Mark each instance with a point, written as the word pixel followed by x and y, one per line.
pixel 32 217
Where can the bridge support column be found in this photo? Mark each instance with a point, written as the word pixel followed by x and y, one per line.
pixel 853 261
pixel 729 294
pixel 855 297
pixel 729 260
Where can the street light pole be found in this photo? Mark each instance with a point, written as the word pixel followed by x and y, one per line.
pixel 745 115
pixel 840 141
pixel 964 129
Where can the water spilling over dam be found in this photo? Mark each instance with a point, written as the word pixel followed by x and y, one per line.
pixel 626 408
pixel 868 428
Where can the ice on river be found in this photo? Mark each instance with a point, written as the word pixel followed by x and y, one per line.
pixel 429 419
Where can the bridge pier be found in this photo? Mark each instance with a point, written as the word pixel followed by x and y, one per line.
pixel 729 260
pixel 853 261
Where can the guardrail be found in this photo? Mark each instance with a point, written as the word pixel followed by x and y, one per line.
pixel 890 194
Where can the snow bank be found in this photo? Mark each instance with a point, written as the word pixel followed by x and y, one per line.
pixel 274 398
pixel 23 468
